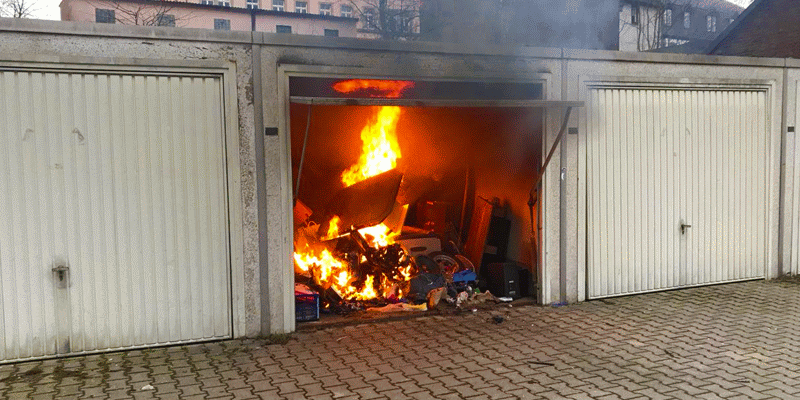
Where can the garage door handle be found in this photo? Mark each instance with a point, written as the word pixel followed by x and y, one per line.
pixel 683 228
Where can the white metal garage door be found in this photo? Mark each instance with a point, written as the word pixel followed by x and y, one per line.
pixel 676 188
pixel 113 208
pixel 791 187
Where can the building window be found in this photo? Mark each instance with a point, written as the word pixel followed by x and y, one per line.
pixel 369 17
pixel 675 42
pixel 104 16
pixel 687 20
pixel 668 17
pixel 252 4
pixel 277 5
pixel 165 20
pixel 225 3
pixel 325 8
pixel 634 15
pixel 711 23
pixel 347 11
pixel 222 24
pixel 207 2
pixel 301 7
pixel 283 29
pixel 332 32
pixel 398 23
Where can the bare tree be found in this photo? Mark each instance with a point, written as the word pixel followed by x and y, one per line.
pixel 651 19
pixel 145 13
pixel 387 19
pixel 17 8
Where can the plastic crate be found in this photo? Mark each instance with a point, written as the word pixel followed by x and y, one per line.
pixel 306 307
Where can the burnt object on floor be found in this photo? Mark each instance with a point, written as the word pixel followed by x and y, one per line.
pixel 422 284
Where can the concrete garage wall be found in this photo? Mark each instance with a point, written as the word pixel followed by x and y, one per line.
pixel 263 62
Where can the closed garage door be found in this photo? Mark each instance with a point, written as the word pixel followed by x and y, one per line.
pixel 113 208
pixel 676 188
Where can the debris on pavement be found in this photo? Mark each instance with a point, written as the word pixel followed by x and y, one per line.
pixel 543 363
pixel 436 295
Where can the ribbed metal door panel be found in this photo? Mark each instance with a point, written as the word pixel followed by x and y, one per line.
pixel 792 207
pixel 120 178
pixel 659 159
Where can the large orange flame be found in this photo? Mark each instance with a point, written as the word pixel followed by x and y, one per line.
pixel 373 87
pixel 327 269
pixel 330 272
pixel 380 149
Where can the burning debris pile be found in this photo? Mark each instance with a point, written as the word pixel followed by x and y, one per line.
pixel 354 262
pixel 352 267
pixel 351 262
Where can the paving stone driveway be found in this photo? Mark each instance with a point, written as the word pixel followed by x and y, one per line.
pixel 737 341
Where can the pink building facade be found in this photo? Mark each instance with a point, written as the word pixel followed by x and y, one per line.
pixel 236 15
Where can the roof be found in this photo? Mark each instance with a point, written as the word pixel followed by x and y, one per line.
pixel 724 34
pixel 716 4
pixel 720 5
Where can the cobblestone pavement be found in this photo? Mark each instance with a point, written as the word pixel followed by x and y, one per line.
pixel 737 341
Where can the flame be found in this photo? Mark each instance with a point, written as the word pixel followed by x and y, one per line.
pixel 327 270
pixel 406 272
pixel 378 235
pixel 343 279
pixel 373 87
pixel 333 227
pixel 324 265
pixel 380 149
pixel 369 289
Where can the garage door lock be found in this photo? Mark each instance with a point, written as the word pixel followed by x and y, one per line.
pixel 683 228
pixel 61 276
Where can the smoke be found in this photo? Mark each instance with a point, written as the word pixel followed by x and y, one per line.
pixel 588 24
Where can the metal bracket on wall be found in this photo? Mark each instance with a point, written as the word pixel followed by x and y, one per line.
pixel 553 149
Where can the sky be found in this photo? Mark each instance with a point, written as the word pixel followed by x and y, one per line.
pixel 48 9
pixel 742 3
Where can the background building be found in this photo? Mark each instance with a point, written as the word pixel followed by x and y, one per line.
pixel 646 25
pixel 391 19
pixel 768 28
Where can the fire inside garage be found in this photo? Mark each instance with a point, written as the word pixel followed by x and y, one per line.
pixel 403 197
